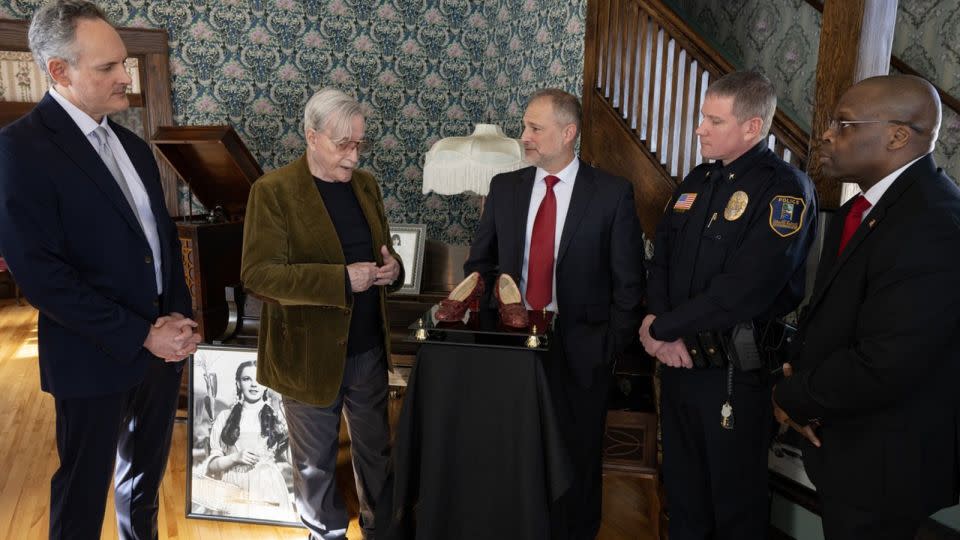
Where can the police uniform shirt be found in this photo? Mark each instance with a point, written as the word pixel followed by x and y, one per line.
pixel 731 245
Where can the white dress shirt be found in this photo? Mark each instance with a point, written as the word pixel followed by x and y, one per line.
pixel 563 190
pixel 144 213
pixel 874 194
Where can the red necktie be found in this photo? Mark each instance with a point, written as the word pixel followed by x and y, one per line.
pixel 540 265
pixel 860 205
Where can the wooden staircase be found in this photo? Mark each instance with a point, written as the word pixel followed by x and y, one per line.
pixel 645 74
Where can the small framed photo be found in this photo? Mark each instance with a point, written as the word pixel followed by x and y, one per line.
pixel 408 241
pixel 238 457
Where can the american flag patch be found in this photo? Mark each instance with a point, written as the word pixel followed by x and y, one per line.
pixel 684 202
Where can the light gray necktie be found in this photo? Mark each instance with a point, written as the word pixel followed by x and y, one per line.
pixel 103 148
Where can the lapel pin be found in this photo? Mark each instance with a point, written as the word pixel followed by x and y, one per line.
pixel 872 223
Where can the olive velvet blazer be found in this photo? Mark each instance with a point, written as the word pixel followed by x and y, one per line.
pixel 292 256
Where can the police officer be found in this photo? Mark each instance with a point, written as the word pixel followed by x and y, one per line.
pixel 728 258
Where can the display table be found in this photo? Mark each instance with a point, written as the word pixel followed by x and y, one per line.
pixel 479 452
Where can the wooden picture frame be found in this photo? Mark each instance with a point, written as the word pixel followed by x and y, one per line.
pixel 221 381
pixel 408 241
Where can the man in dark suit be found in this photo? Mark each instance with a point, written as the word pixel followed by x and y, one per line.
pixel 584 263
pixel 874 380
pixel 86 233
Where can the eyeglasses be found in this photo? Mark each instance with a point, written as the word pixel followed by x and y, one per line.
pixel 345 147
pixel 838 125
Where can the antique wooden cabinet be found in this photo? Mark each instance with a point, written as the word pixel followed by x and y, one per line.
pixel 219 169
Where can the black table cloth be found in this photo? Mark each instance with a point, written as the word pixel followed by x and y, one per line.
pixel 479 452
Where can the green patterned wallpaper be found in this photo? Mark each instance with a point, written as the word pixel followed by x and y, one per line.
pixel 927 38
pixel 427 69
pixel 780 38
pixel 431 68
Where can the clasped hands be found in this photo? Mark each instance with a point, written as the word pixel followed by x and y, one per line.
pixel 172 337
pixel 808 431
pixel 671 353
pixel 364 275
pixel 674 354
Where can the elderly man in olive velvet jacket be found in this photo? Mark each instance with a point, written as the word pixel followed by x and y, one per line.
pixel 316 242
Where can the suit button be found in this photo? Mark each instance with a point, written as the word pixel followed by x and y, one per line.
pixel 346 312
pixel 148 259
pixel 711 351
pixel 341 342
pixel 693 352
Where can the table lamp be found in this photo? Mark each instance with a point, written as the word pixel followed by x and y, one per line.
pixel 467 164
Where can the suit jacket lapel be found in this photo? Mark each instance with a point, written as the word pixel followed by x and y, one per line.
pixel 828 252
pixel 523 190
pixel 873 220
pixel 314 217
pixel 583 190
pixel 151 184
pixel 77 148
pixel 148 174
pixel 148 177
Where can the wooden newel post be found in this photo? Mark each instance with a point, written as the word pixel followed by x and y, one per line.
pixel 856 38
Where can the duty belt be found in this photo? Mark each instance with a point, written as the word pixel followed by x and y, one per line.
pixel 746 346
pixel 707 349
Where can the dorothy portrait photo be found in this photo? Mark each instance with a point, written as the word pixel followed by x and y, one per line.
pixel 240 457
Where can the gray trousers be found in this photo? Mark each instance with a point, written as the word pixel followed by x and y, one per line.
pixel 314 441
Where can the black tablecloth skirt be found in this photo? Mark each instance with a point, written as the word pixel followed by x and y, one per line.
pixel 479 452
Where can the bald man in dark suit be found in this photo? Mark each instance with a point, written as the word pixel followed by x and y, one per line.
pixel 873 385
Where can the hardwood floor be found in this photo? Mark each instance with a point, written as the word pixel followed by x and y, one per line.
pixel 28 458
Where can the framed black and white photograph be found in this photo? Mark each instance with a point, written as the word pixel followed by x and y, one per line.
pixel 408 241
pixel 238 463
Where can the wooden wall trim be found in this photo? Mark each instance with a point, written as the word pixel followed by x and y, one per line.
pixel 855 43
pixel 947 98
pixel 628 98
pixel 603 145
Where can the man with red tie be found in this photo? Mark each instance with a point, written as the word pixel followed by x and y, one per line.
pixel 569 234
pixel 874 379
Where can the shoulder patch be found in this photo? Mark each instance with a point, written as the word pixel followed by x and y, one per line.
pixel 787 214
pixel 684 202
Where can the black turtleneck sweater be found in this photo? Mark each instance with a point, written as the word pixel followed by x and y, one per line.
pixel 354 233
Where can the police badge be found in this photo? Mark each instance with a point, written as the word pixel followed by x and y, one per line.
pixel 735 206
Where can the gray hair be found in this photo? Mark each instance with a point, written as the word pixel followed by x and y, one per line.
pixel 331 109
pixel 753 96
pixel 566 106
pixel 53 30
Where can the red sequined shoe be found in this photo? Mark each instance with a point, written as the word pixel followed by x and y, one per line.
pixel 512 311
pixel 465 295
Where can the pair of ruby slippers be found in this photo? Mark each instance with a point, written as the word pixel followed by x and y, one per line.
pixel 467 295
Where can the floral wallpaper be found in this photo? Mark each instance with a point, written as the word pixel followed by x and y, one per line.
pixel 780 38
pixel 426 69
pixel 927 38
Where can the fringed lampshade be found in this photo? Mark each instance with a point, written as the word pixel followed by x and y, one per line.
pixel 461 164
